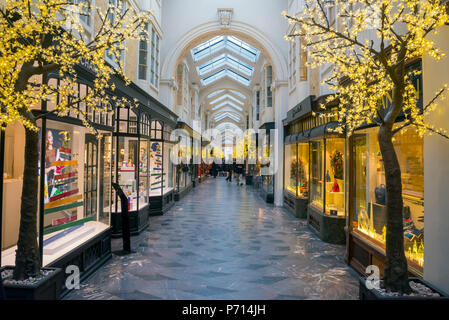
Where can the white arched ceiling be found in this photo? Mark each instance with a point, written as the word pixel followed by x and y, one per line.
pixel 205 32
pixel 208 30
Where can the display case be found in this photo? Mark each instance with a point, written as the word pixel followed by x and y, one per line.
pixel 296 177
pixel 131 163
pixel 162 169
pixel 326 210
pixel 74 187
pixel 368 219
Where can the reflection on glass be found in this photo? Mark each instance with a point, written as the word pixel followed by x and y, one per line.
pixel 370 198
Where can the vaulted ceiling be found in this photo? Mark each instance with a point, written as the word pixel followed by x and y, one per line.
pixel 225 67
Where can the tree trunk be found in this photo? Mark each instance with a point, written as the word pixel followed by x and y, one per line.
pixel 27 253
pixel 396 272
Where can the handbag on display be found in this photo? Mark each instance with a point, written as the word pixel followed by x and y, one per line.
pixel 380 194
pixel 335 187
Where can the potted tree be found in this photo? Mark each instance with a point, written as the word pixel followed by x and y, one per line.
pixel 368 44
pixel 40 37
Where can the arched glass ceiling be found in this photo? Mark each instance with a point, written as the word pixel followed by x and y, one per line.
pixel 225 60
pixel 238 94
pixel 227 115
pixel 216 93
pixel 225 72
pixel 227 96
pixel 227 103
pixel 231 43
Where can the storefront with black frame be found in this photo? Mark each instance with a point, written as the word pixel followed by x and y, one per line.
pixel 367 215
pixel 296 158
pixel 75 196
pixel 162 169
pixel 131 172
pixel 314 169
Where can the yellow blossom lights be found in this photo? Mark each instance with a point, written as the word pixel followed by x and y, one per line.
pixel 41 36
pixel 367 45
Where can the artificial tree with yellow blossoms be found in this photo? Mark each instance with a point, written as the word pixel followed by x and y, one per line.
pixel 43 36
pixel 368 43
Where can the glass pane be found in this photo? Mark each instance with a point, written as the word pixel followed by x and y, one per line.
pixel 143 174
pixel 370 199
pixel 335 199
pixel 127 171
pixel 303 170
pixel 316 183
pixel 157 177
pixel 291 168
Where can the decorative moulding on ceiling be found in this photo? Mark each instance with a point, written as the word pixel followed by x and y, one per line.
pixel 225 16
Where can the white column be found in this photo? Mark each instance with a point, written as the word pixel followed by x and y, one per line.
pixel 436 172
pixel 167 93
pixel 280 94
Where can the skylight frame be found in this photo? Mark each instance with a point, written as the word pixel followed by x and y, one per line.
pixel 227 115
pixel 222 60
pixel 215 93
pixel 227 103
pixel 225 72
pixel 231 43
pixel 241 95
pixel 227 96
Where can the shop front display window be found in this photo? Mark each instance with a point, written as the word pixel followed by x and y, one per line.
pixel 144 178
pixel 291 168
pixel 169 167
pixel 370 192
pixel 127 170
pixel 334 178
pixel 303 169
pixel 76 194
pixel 132 143
pixel 157 174
pixel 317 177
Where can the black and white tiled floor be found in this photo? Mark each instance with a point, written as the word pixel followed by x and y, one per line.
pixel 224 242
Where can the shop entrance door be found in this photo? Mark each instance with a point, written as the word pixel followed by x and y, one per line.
pixel 90 175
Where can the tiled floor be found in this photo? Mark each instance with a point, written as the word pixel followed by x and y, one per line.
pixel 223 242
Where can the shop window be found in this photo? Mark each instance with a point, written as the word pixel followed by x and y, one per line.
pixel 12 188
pixel 291 168
pixel 303 169
pixel 317 167
pixel 334 179
pixel 144 178
pixel 369 198
pixel 75 194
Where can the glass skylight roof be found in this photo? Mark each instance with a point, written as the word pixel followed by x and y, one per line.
pixel 225 73
pixel 238 94
pixel 227 103
pixel 227 115
pixel 216 93
pixel 225 60
pixel 227 96
pixel 229 42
